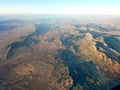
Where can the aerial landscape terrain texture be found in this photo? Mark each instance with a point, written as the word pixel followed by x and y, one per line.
pixel 50 52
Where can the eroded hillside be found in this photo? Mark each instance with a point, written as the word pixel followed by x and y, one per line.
pixel 63 56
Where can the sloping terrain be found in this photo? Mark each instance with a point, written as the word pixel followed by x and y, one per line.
pixel 62 56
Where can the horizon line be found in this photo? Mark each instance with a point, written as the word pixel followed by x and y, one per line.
pixel 56 14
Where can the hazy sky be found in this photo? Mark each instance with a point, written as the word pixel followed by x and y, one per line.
pixel 60 6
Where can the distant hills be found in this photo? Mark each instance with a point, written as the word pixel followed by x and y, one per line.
pixel 59 54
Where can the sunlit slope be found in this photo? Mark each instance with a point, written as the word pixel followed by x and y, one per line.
pixel 62 56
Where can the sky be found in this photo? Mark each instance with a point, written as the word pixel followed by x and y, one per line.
pixel 109 7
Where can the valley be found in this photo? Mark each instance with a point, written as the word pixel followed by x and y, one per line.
pixel 60 54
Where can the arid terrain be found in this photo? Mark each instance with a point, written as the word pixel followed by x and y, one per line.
pixel 60 53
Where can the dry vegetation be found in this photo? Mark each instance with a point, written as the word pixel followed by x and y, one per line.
pixel 60 56
pixel 7 37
